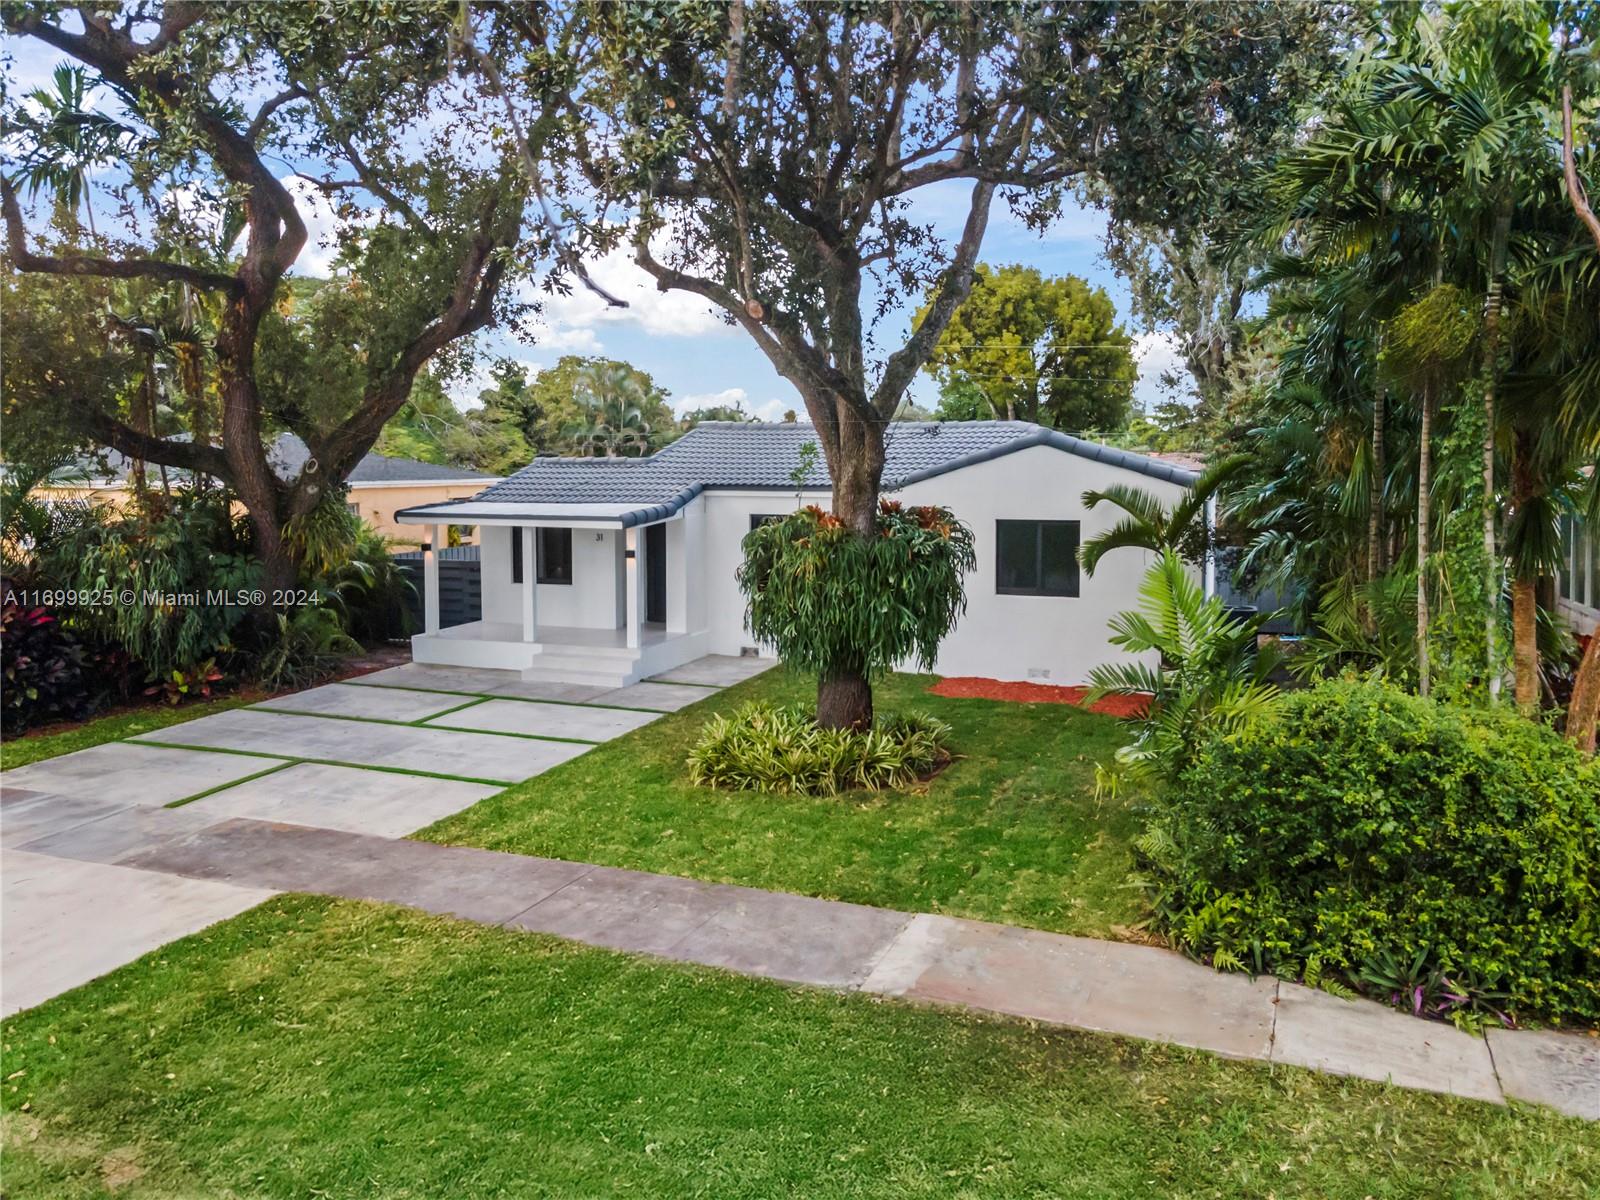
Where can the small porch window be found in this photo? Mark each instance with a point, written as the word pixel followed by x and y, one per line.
pixel 554 549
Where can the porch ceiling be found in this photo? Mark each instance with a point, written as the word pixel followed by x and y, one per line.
pixel 586 515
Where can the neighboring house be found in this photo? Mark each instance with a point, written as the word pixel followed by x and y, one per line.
pixel 379 486
pixel 1578 583
pixel 615 569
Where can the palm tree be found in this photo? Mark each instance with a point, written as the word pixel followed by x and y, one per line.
pixel 613 423
pixel 68 141
pixel 1488 86
pixel 1150 525
pixel 1212 675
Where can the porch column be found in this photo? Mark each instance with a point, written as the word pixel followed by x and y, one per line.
pixel 530 581
pixel 634 549
pixel 430 578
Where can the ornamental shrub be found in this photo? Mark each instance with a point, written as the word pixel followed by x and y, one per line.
pixel 847 606
pixel 1364 834
pixel 764 748
pixel 41 670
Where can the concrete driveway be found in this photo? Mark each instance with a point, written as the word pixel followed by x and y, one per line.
pixel 384 754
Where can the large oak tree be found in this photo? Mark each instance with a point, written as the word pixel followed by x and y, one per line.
pixel 233 116
pixel 774 159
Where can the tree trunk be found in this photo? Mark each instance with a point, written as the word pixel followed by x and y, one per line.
pixel 844 701
pixel 844 695
pixel 1525 643
pixel 1424 486
pixel 1491 368
pixel 1375 486
pixel 1583 713
pixel 1524 588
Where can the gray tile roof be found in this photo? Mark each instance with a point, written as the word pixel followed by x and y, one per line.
pixel 740 454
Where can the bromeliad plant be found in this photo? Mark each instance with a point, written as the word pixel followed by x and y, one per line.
pixel 1211 675
pixel 848 607
pixel 764 748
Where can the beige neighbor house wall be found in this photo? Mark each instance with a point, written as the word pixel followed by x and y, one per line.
pixel 374 503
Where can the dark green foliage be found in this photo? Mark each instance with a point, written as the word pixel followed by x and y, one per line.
pixel 765 748
pixel 162 565
pixel 306 647
pixel 367 588
pixel 829 599
pixel 1361 827
pixel 41 670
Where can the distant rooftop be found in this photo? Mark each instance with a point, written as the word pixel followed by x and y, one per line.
pixel 288 454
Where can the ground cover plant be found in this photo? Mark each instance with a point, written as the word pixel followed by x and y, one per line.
pixel 767 748
pixel 1010 831
pixel 314 1047
pixel 1443 857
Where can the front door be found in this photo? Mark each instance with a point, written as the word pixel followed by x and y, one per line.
pixel 655 574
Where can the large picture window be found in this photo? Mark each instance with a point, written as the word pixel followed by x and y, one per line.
pixel 1036 558
pixel 554 547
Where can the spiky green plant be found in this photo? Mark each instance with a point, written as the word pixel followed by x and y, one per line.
pixel 1211 675
pixel 1151 525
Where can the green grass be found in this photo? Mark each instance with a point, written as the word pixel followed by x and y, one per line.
pixel 1010 832
pixel 48 743
pixel 322 1048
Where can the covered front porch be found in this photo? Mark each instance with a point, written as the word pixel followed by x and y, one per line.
pixel 582 596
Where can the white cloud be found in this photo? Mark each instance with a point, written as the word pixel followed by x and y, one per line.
pixel 322 228
pixel 737 397
pixel 734 397
pixel 572 341
pixel 1159 354
pixel 663 314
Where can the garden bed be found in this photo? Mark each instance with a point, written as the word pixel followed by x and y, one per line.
pixel 975 687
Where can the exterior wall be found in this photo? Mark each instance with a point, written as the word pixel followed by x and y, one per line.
pixel 727 520
pixel 685 592
pixel 376 504
pixel 1057 639
pixel 593 600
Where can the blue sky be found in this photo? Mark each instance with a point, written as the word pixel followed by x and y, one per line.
pixel 695 356
pixel 702 361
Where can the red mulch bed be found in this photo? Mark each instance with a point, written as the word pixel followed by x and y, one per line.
pixel 973 687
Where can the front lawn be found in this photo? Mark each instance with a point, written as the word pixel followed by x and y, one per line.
pixel 1010 832
pixel 322 1048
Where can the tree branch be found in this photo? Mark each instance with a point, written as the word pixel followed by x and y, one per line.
pixel 954 288
pixel 1569 164
pixel 87 264
pixel 264 113
pixel 185 456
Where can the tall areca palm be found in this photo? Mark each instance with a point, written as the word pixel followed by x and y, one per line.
pixel 69 140
pixel 1488 85
pixel 613 423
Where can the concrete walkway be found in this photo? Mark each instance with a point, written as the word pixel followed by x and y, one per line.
pixel 146 873
pixel 384 754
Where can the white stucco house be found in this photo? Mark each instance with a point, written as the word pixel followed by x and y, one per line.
pixel 612 570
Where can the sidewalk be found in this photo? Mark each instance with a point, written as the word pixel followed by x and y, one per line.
pixel 1136 991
